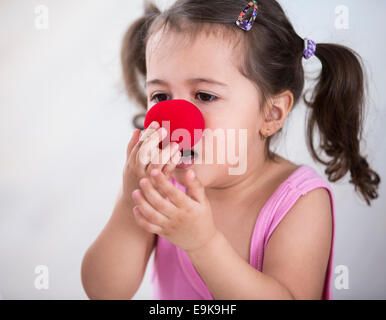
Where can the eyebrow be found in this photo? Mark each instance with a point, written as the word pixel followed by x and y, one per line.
pixel 190 81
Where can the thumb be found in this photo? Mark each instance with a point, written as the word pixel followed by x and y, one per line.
pixel 194 187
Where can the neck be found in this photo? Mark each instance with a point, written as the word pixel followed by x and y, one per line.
pixel 242 190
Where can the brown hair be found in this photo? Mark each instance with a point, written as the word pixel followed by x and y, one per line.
pixel 272 58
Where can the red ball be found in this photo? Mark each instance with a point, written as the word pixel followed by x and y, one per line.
pixel 178 114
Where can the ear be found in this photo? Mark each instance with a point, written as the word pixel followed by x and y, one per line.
pixel 278 109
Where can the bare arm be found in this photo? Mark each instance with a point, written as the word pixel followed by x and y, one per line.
pixel 114 265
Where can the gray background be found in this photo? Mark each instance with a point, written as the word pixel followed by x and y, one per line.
pixel 65 122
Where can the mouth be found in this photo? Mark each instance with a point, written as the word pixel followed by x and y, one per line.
pixel 187 158
pixel 188 154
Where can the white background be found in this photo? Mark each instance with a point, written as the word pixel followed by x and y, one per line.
pixel 65 122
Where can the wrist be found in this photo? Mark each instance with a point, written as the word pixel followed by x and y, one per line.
pixel 216 239
pixel 125 200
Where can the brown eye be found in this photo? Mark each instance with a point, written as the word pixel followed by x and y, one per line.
pixel 159 95
pixel 206 97
pixel 202 96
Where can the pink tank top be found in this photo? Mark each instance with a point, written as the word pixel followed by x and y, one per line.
pixel 175 278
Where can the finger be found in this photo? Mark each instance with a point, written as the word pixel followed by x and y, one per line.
pixel 144 135
pixel 132 142
pixel 148 211
pixel 161 157
pixel 152 142
pixel 171 165
pixel 149 130
pixel 194 187
pixel 164 185
pixel 154 198
pixel 142 222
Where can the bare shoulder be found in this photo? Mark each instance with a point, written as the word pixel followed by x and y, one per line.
pixel 298 251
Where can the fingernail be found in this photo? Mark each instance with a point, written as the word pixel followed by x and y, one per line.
pixel 175 146
pixel 154 172
pixel 192 174
pixel 142 182
pixel 163 131
pixel 135 194
pixel 154 125
pixel 176 157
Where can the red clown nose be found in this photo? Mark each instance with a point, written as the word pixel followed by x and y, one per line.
pixel 182 120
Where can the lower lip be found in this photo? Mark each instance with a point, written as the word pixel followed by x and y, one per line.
pixel 187 162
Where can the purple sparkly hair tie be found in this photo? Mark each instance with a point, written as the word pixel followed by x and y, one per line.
pixel 242 22
pixel 309 48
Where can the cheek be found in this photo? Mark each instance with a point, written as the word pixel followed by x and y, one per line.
pixel 238 133
pixel 243 123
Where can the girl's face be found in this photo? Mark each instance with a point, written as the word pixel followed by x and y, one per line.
pixel 226 99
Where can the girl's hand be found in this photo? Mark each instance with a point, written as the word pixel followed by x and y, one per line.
pixel 186 220
pixel 144 155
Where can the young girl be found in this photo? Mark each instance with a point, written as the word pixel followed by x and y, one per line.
pixel 267 233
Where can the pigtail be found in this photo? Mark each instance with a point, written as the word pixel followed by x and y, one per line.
pixel 336 109
pixel 133 57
